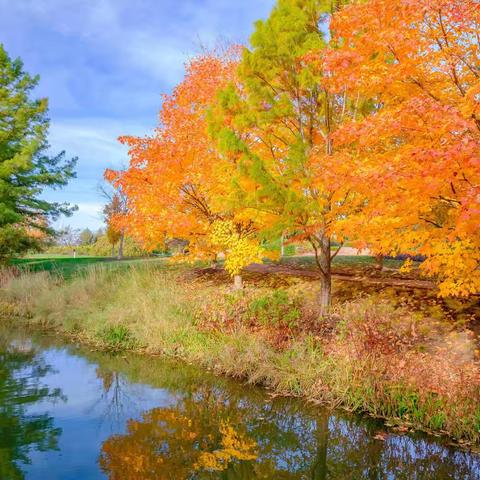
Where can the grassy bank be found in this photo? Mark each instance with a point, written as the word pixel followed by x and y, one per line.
pixel 367 357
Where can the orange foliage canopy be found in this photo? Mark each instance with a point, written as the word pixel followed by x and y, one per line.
pixel 417 157
pixel 373 136
pixel 176 178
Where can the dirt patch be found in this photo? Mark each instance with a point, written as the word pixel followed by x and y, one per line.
pixel 347 276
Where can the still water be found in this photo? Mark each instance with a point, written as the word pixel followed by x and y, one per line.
pixel 69 413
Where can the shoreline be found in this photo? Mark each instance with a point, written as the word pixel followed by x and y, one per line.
pixel 164 323
pixel 398 426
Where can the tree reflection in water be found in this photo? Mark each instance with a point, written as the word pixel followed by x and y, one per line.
pixel 115 397
pixel 210 434
pixel 21 433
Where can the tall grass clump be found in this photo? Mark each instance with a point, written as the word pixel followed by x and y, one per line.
pixel 142 299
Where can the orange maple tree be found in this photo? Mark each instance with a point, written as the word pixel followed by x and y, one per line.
pixel 416 159
pixel 371 133
pixel 177 185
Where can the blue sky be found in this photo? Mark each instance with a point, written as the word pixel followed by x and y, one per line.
pixel 103 65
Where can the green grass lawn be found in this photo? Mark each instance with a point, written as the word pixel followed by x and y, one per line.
pixel 68 266
pixel 62 265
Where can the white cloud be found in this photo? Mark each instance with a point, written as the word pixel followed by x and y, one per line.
pixel 94 209
pixel 155 36
pixel 89 214
pixel 95 140
pixel 94 143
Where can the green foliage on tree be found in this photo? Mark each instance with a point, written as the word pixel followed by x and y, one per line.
pixel 101 247
pixel 87 237
pixel 26 168
pixel 281 117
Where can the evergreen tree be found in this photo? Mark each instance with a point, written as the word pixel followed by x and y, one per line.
pixel 26 169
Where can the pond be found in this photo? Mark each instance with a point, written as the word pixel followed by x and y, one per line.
pixel 72 413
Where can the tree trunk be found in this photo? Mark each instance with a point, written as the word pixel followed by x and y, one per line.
pixel 237 282
pixel 120 246
pixel 282 246
pixel 319 468
pixel 325 296
pixel 379 262
pixel 323 259
pixel 113 250
pixel 215 261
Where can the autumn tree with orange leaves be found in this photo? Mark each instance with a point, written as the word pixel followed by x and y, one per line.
pixel 177 185
pixel 417 159
pixel 113 210
pixel 342 120
pixel 192 445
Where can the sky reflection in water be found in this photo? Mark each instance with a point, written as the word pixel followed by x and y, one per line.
pixel 72 414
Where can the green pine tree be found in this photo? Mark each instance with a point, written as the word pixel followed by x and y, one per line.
pixel 26 169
